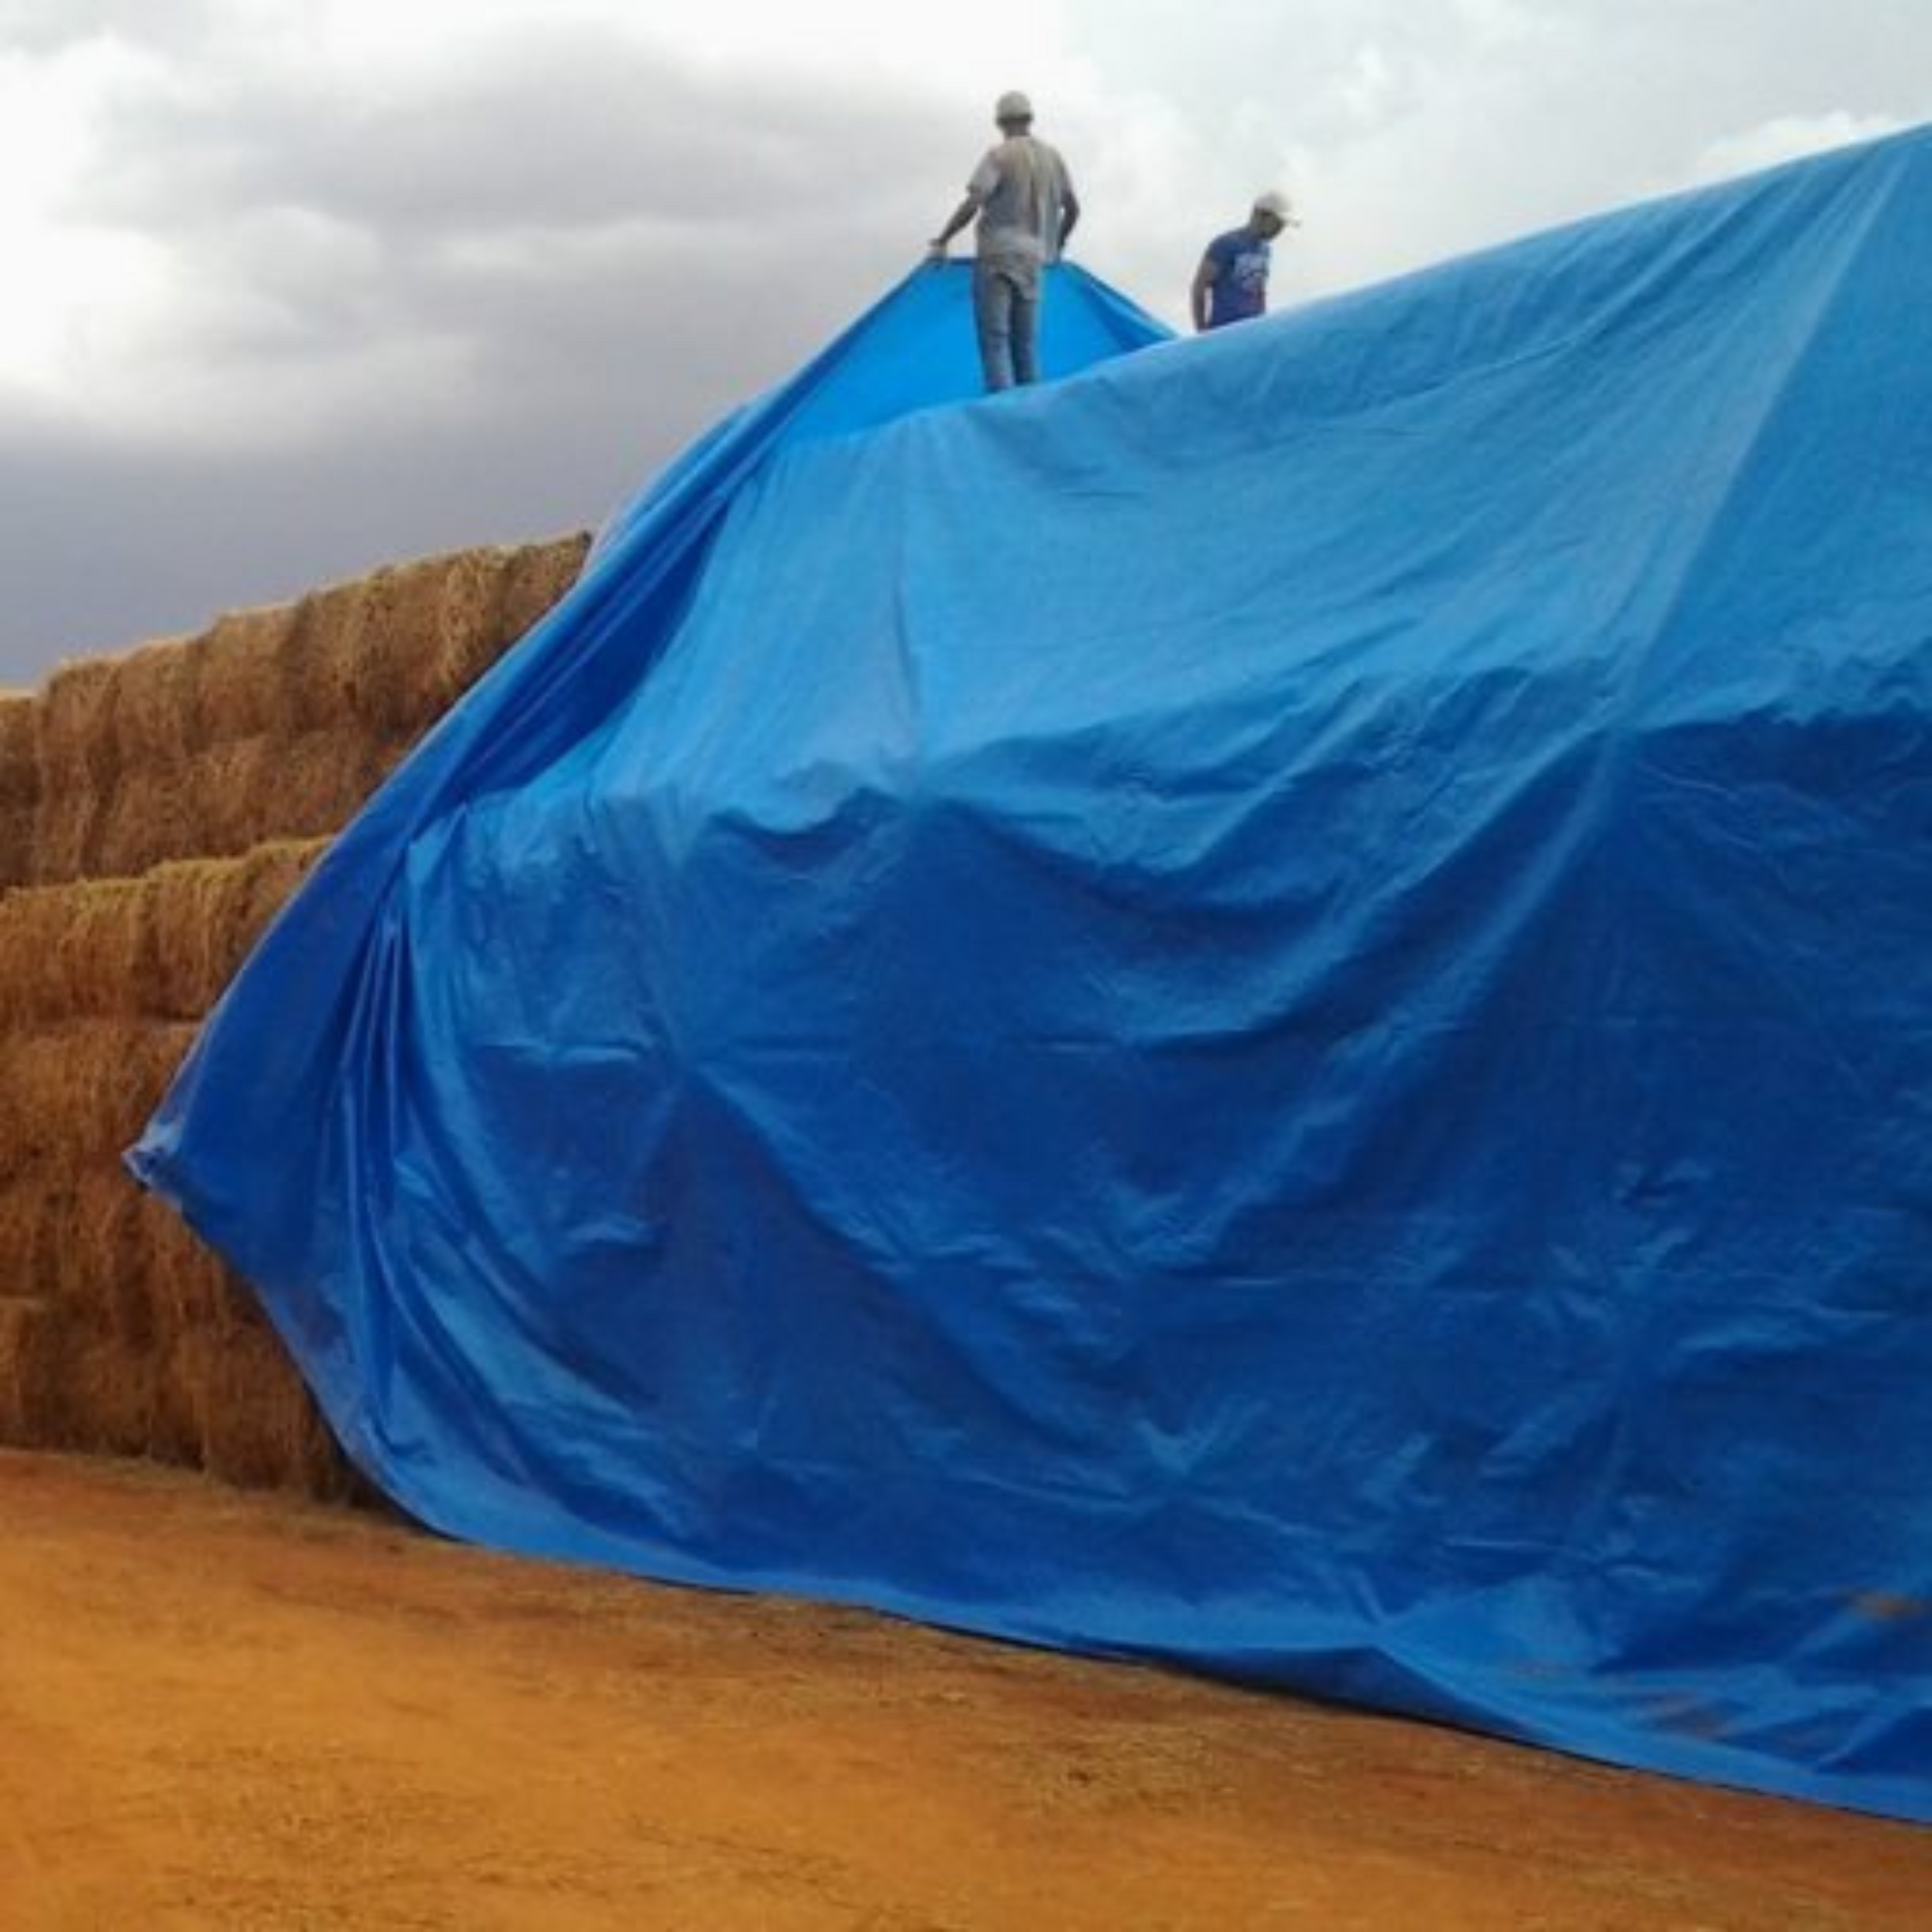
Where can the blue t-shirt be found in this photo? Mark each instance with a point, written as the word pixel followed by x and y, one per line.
pixel 1239 290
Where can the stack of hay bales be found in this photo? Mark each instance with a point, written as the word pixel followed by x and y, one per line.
pixel 156 809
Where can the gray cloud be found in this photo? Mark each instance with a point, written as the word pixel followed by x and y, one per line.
pixel 485 303
pixel 577 126
pixel 603 252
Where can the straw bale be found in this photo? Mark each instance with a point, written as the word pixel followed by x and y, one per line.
pixel 33 988
pixel 163 946
pixel 20 751
pixel 187 1284
pixel 72 950
pixel 219 1392
pixel 253 1417
pixel 30 1335
pixel 249 791
pixel 325 779
pixel 79 769
pixel 539 576
pixel 100 1393
pixel 71 1233
pixel 33 1214
pixel 501 596
pixel 266 880
pixel 98 1270
pixel 157 713
pixel 397 648
pixel 373 644
pixel 469 636
pixel 219 802
pixel 82 1090
pixel 386 756
pixel 77 742
pixel 245 684
pixel 406 643
pixel 184 905
pixel 324 655
pixel 17 862
pixel 203 918
pixel 154 813
pixel 66 826
pixel 104 956
pixel 230 789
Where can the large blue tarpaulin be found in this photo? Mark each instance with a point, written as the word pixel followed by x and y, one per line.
pixel 1270 1006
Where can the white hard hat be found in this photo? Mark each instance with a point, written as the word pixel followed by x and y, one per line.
pixel 1012 106
pixel 1276 204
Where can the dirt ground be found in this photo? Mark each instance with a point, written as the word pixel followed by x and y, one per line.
pixel 240 1711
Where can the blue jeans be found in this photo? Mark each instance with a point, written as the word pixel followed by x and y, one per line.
pixel 1006 311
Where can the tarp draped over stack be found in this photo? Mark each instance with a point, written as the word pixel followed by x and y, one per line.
pixel 1270 1007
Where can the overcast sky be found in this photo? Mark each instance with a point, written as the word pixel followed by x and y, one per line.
pixel 294 288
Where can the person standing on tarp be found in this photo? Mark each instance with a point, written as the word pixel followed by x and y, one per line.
pixel 1231 283
pixel 1024 198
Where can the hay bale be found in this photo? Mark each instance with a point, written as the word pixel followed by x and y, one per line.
pixel 29 1336
pixel 20 786
pixel 182 904
pixel 18 860
pixel 101 1394
pixel 162 947
pixel 252 1417
pixel 66 830
pixel 33 988
pixel 83 1090
pixel 99 1271
pixel 367 639
pixel 103 957
pixel 152 814
pixel 252 791
pixel 327 779
pixel 206 915
pixel 469 634
pixel 185 1284
pixel 264 882
pixel 325 656
pixel 202 1381
pixel 157 711
pixel 67 951
pixel 33 1217
pixel 385 757
pixel 78 741
pixel 228 790
pixel 488 613
pixel 245 684
pixel 539 577
pixel 20 751
pixel 400 647
pixel 79 769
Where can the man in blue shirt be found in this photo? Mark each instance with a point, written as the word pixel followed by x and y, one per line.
pixel 1231 283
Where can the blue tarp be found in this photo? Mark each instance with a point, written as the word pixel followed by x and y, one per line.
pixel 1269 1006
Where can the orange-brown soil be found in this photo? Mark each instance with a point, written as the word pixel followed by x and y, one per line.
pixel 240 1711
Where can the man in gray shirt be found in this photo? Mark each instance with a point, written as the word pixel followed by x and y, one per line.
pixel 1025 204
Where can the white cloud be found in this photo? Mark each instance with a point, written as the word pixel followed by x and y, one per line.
pixel 1789 137
pixel 69 283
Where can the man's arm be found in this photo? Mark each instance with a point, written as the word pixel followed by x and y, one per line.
pixel 1069 214
pixel 958 219
pixel 1206 276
